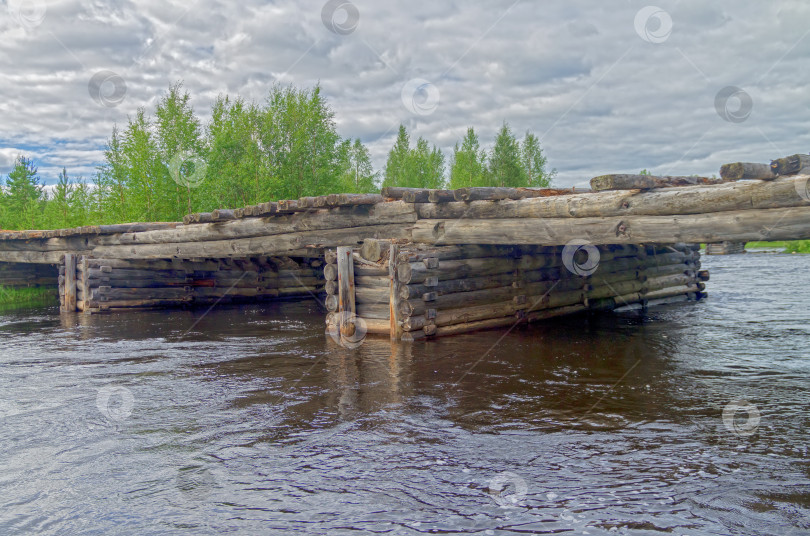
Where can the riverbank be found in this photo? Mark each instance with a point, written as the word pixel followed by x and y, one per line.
pixel 13 298
pixel 797 246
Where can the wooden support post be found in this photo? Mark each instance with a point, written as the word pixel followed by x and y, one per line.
pixel 70 284
pixel 347 309
pixel 396 324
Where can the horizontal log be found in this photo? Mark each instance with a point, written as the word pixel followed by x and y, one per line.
pixel 790 165
pixel 746 170
pixel 262 245
pixel 780 193
pixel 458 299
pixel 646 182
pixel 744 225
pixel 416 196
pixel 467 284
pixel 441 196
pixel 499 193
pixel 337 218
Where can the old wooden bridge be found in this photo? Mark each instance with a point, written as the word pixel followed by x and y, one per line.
pixel 419 263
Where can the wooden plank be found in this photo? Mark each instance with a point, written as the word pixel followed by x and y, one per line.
pixel 499 193
pixel 70 283
pixel 346 308
pixel 394 296
pixel 646 182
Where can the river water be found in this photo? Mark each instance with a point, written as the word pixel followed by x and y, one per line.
pixel 248 420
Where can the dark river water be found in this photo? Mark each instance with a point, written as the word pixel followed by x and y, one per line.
pixel 248 420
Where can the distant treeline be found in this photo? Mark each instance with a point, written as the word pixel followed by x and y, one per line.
pixel 162 166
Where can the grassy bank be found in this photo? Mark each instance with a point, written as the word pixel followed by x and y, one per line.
pixel 12 298
pixel 796 246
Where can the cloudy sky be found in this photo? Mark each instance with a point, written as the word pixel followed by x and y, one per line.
pixel 678 88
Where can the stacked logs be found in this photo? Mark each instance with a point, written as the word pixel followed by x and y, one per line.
pixel 14 274
pixel 445 290
pixel 110 284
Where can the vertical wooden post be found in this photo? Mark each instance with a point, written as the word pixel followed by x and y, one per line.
pixel 346 304
pixel 70 284
pixel 393 303
pixel 84 286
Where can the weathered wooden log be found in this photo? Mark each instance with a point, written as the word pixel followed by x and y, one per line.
pixel 337 218
pixel 456 252
pixel 330 256
pixel 499 193
pixel 69 284
pixel 394 292
pixel 221 214
pixel 372 250
pixel 747 225
pixel 441 196
pixel 346 290
pixel 417 291
pixel 287 205
pixel 746 171
pixel 456 300
pixel 397 192
pixel 261 245
pixel 703 275
pixel 416 196
pixel 372 294
pixel 790 165
pixel 379 311
pixel 359 199
pixel 455 269
pixel 372 280
pixel 780 193
pixel 646 182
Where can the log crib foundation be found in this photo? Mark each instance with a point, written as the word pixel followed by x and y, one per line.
pixel 412 292
pixel 93 285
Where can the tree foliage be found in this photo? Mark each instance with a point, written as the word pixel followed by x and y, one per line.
pixel 162 165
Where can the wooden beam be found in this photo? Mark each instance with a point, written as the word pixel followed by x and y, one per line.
pixel 395 291
pixel 645 182
pixel 70 283
pixel 744 225
pixel 346 307
pixel 746 170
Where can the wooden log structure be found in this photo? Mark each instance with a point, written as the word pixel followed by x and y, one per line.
pixel 428 262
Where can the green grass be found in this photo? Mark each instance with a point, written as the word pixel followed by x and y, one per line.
pixel 796 246
pixel 12 298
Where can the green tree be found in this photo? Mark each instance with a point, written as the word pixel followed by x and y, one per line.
pixel 23 196
pixel 505 166
pixel 177 138
pixel 396 167
pixel 426 166
pixel 113 183
pixel 468 167
pixel 534 163
pixel 141 159
pixel 359 175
